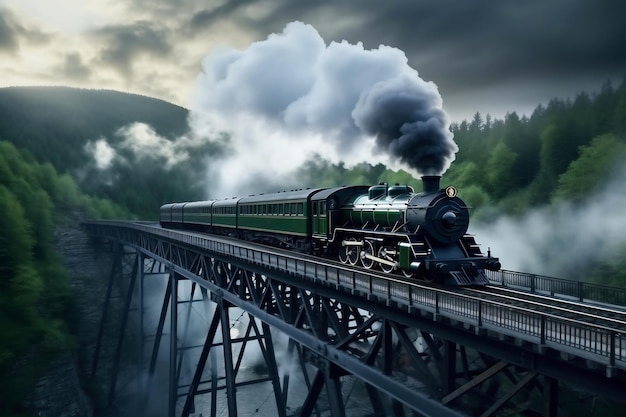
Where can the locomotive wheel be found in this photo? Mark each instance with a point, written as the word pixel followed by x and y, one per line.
pixel 382 253
pixel 343 255
pixel 408 274
pixel 368 248
pixel 428 279
pixel 352 253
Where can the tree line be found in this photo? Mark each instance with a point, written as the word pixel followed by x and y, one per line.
pixel 562 151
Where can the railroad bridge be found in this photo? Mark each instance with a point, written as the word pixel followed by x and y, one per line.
pixel 211 326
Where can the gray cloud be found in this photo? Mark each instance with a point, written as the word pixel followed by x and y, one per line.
pixel 8 31
pixel 73 67
pixel 490 38
pixel 206 17
pixel 13 33
pixel 468 47
pixel 125 43
pixel 488 56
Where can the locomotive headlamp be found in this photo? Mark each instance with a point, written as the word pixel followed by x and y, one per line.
pixel 451 191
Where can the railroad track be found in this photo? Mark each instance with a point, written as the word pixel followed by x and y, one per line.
pixel 558 307
pixel 575 310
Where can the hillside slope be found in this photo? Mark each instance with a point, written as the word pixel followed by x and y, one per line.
pixel 54 123
pixel 62 125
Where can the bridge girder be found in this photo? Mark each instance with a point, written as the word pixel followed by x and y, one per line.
pixel 336 333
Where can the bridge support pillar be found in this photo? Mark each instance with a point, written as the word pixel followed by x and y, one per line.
pixel 550 397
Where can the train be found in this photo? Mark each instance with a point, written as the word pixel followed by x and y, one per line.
pixel 422 236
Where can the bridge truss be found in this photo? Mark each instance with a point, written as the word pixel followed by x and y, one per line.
pixel 325 340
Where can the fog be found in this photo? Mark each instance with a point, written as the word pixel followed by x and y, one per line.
pixel 561 240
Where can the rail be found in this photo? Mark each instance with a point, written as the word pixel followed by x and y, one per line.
pixel 601 344
pixel 559 287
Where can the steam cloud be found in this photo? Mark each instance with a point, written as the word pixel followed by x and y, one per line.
pixel 562 241
pixel 296 95
pixel 144 143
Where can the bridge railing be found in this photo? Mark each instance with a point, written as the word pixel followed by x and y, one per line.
pixel 558 287
pixel 597 342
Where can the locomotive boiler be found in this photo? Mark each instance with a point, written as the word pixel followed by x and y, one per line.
pixel 391 228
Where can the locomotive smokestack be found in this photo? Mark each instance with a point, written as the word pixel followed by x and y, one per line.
pixel 430 183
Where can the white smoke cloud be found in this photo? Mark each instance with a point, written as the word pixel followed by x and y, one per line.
pixel 146 144
pixel 561 240
pixel 101 152
pixel 291 95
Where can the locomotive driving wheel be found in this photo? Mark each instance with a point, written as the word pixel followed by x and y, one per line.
pixel 408 274
pixel 352 252
pixel 383 253
pixel 368 249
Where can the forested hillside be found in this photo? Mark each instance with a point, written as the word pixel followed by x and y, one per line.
pixel 57 125
pixel 562 151
pixel 35 299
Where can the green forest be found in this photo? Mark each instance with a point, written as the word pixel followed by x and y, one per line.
pixel 561 154
pixel 35 299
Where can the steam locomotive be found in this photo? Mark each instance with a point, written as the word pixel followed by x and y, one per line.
pixel 420 235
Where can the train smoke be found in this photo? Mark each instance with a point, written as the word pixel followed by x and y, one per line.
pixel 565 240
pixel 297 95
pixel 408 122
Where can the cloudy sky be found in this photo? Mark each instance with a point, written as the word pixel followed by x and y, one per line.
pixel 488 56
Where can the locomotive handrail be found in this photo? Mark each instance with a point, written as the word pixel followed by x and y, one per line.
pixel 603 344
pixel 559 287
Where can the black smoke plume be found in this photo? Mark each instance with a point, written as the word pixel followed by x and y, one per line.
pixel 409 125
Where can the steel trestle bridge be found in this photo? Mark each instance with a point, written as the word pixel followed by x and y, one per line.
pixel 346 338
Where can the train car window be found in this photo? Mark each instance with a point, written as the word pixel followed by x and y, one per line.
pixel 280 209
pixel 293 210
pixel 323 208
pixel 300 209
pixel 286 209
pixel 315 208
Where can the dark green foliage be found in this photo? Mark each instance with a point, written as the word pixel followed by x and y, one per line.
pixel 319 172
pixel 519 161
pixel 34 293
pixel 596 162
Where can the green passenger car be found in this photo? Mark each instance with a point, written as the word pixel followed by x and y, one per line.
pixel 224 213
pixel 287 213
pixel 198 212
